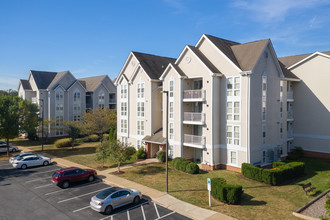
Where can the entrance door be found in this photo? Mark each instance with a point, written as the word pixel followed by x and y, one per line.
pixel 198 155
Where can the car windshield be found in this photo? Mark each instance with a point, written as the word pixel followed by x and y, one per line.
pixel 56 174
pixel 19 158
pixel 104 194
pixel 16 155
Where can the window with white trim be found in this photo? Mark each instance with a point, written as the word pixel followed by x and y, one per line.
pixel 101 99
pixel 264 96
pixel 140 109
pixel 171 89
pixel 59 112
pixel 236 135
pixel 229 134
pixel 123 126
pixel 171 130
pixel 233 112
pixel 281 130
pixel 263 134
pixel 140 127
pixel 76 105
pixel 229 86
pixel 263 156
pixel 140 90
pixel 123 91
pixel 171 107
pixel 170 151
pixel 76 96
pixel 124 140
pixel 233 157
pixel 59 96
pixel 264 110
pixel 123 108
pixel 237 86
pixel 233 135
pixel 138 144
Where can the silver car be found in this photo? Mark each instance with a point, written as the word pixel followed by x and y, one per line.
pixel 19 156
pixel 31 161
pixel 3 147
pixel 113 198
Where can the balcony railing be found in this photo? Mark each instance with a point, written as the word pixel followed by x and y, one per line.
pixel 194 94
pixel 194 117
pixel 290 95
pixel 34 100
pixel 194 140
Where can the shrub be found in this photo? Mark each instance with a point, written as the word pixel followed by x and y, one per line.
pixel 252 172
pixel 105 137
pixel 130 150
pixel 176 161
pixel 182 165
pixel 278 164
pixel 91 138
pixel 161 156
pixel 224 192
pixel 192 168
pixel 65 142
pixel 141 154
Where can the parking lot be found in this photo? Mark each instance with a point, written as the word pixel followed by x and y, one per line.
pixel 30 194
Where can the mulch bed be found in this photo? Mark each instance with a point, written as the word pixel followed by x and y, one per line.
pixel 118 173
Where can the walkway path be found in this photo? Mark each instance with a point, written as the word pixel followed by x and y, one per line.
pixel 159 197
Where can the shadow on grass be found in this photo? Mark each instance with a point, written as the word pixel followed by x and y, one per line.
pixel 63 152
pixel 149 170
pixel 247 201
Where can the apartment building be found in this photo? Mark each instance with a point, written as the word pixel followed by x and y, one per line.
pixel 63 97
pixel 229 103
pixel 311 122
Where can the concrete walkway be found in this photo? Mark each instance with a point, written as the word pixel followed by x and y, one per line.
pixel 159 197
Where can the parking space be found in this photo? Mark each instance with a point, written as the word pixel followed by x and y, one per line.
pixel 30 194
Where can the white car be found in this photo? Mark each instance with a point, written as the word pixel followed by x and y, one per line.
pixel 31 161
pixel 3 147
pixel 19 156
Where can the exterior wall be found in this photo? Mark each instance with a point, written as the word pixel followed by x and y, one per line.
pixel 70 94
pixel 157 106
pixel 312 104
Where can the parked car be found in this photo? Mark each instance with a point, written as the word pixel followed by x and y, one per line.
pixel 19 156
pixel 64 177
pixel 113 198
pixel 31 161
pixel 3 147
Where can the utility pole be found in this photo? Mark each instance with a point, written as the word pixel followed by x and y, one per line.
pixel 42 125
pixel 166 92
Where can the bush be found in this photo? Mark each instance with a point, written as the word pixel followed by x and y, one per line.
pixel 252 172
pixel 296 154
pixel 105 137
pixel 161 156
pixel 192 168
pixel 176 161
pixel 130 151
pixel 65 142
pixel 278 164
pixel 224 192
pixel 91 138
pixel 141 154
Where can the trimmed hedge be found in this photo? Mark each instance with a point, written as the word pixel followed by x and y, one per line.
pixel 185 166
pixel 161 156
pixel 280 173
pixel 224 192
pixel 65 142
pixel 91 138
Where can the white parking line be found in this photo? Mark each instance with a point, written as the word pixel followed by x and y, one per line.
pixel 156 210
pixel 30 181
pixel 144 216
pixel 44 172
pixel 80 209
pixel 111 216
pixel 82 195
pixel 38 187
pixel 63 190
pixel 165 215
pixel 128 218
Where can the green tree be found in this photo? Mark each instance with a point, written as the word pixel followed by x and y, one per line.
pixel 9 118
pixel 112 134
pixel 99 121
pixel 29 119
pixel 118 152
pixel 102 151
pixel 72 128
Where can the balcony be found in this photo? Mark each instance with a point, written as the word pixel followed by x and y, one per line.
pixel 289 116
pixel 195 118
pixel 289 134
pixel 34 100
pixel 289 97
pixel 194 95
pixel 194 141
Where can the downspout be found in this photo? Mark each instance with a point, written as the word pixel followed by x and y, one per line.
pixel 212 124
pixel 248 159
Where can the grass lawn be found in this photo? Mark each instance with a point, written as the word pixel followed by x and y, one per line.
pixel 259 201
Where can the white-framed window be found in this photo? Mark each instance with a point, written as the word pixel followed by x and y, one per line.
pixel 236 135
pixel 171 108
pixel 59 111
pixel 123 91
pixel 76 96
pixel 171 130
pixel 124 140
pixel 123 126
pixel 101 99
pixel 264 96
pixel 123 108
pixel 263 134
pixel 59 120
pixel 237 86
pixel 234 86
pixel 233 111
pixel 76 117
pixel 76 105
pixel 59 108
pixel 233 135
pixel 140 109
pixel 140 127
pixel 171 89
pixel 264 110
pixel 140 90
pixel 233 157
pixel 281 109
pixel 59 96
pixel 138 144
pixel 229 134
pixel 170 151
pixel 263 156
pixel 281 130
pixel 229 111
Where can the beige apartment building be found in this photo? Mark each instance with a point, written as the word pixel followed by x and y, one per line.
pixel 229 103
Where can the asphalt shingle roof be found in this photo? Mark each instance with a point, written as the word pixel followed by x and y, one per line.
pixel 204 59
pixel 91 83
pixel 43 78
pixel 57 77
pixel 290 60
pixel 25 84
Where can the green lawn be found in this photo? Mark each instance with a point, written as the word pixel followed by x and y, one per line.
pixel 259 201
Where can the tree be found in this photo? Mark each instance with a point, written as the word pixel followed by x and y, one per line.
pixel 118 153
pixel 9 118
pixel 72 128
pixel 47 124
pixel 99 121
pixel 112 134
pixel 102 151
pixel 29 119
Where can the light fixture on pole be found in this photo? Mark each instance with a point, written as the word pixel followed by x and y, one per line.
pixel 166 92
pixel 42 125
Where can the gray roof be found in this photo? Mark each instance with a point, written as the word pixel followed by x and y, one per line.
pixel 57 78
pixel 157 138
pixel 25 84
pixel 203 58
pixel 287 73
pixel 178 69
pixel 91 83
pixel 152 64
pixel 43 78
pixel 291 60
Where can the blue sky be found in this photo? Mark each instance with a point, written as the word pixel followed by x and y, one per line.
pixel 94 37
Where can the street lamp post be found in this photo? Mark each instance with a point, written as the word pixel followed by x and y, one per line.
pixel 166 92
pixel 42 125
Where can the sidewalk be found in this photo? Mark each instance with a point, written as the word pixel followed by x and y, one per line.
pixel 158 197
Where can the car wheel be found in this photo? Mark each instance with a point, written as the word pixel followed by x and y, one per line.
pixel 24 166
pixel 136 200
pixel 91 178
pixel 65 184
pixel 13 150
pixel 108 210
pixel 46 163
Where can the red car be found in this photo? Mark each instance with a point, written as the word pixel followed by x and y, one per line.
pixel 64 177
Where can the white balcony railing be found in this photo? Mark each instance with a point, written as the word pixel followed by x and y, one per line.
pixel 290 95
pixel 194 94
pixel 34 100
pixel 194 117
pixel 194 140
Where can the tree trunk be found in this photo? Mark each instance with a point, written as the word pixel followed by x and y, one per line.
pixel 72 143
pixel 118 167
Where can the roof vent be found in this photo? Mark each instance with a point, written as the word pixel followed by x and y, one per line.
pixel 266 54
pixel 163 66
